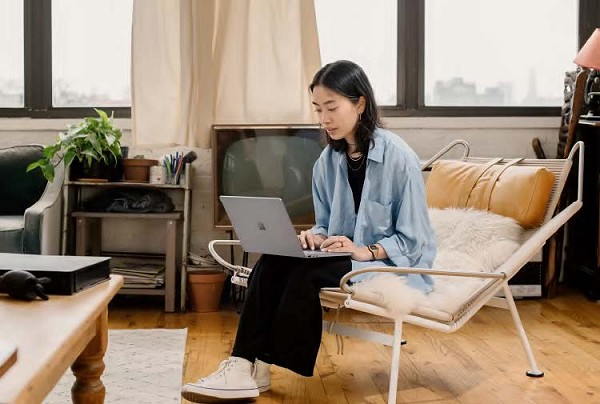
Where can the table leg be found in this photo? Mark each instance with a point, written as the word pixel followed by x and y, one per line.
pixel 88 367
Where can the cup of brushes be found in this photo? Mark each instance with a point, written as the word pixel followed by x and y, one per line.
pixel 175 165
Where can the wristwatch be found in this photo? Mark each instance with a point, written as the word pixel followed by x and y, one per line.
pixel 373 249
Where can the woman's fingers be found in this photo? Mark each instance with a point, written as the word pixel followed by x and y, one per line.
pixel 307 239
pixel 302 239
pixel 337 243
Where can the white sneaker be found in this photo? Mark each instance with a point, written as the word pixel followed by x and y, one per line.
pixel 262 375
pixel 232 380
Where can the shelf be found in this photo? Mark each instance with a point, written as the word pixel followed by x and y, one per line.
pixel 125 185
pixel 132 254
pixel 82 232
pixel 87 229
pixel 142 291
pixel 171 215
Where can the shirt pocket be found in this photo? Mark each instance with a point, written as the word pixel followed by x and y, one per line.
pixel 378 219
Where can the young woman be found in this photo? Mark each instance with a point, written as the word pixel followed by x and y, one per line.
pixel 369 200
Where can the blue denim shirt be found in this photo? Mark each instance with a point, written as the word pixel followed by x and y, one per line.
pixel 393 208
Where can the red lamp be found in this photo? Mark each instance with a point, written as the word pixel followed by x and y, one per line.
pixel 589 57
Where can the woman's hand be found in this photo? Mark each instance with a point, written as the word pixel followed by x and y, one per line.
pixel 344 244
pixel 310 240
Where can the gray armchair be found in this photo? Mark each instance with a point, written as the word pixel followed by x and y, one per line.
pixel 30 207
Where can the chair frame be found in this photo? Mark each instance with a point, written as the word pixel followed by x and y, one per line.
pixel 42 220
pixel 344 297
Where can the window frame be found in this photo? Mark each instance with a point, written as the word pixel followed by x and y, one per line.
pixel 410 75
pixel 37 20
pixel 411 86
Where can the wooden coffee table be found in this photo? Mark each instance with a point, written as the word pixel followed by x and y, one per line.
pixel 51 336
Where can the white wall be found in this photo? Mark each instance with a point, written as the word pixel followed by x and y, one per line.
pixel 498 137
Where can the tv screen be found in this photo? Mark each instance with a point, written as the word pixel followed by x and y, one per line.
pixel 273 161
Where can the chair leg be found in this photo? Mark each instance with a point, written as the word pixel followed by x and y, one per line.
pixel 395 368
pixel 534 371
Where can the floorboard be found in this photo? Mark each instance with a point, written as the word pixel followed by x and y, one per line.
pixel 481 363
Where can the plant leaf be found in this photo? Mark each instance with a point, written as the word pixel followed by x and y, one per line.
pixel 48 172
pixel 35 164
pixel 102 114
pixel 68 157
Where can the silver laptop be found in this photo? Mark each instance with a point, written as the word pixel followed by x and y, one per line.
pixel 263 226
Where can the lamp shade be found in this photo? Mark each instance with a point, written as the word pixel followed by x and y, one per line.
pixel 589 55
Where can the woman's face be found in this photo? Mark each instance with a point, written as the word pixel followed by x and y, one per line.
pixel 337 114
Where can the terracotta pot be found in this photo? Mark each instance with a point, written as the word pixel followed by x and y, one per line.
pixel 137 170
pixel 205 289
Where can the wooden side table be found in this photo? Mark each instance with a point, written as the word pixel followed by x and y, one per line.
pixel 89 225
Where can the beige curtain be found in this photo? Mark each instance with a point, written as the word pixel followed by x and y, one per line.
pixel 201 62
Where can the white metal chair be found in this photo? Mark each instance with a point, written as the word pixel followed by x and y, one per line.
pixel 436 318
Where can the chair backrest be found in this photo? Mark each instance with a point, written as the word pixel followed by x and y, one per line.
pixel 19 189
pixel 559 167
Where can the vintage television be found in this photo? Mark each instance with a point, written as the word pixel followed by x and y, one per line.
pixel 267 160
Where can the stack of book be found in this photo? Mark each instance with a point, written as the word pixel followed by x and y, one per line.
pixel 140 273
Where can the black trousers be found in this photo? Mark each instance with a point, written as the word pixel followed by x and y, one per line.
pixel 281 320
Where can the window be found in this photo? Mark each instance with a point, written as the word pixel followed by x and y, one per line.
pixel 480 53
pixel 62 58
pixel 459 57
pixel 344 35
pixel 12 85
pixel 91 53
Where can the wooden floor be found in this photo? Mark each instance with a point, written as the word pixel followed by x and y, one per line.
pixel 481 363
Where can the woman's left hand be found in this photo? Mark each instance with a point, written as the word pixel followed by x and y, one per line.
pixel 344 244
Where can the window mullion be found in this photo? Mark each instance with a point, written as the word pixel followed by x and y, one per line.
pixel 38 56
pixel 413 43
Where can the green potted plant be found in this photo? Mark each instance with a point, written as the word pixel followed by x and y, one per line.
pixel 93 146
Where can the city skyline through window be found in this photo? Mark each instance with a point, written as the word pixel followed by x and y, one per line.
pixel 495 54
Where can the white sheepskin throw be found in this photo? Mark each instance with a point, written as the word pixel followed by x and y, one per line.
pixel 467 240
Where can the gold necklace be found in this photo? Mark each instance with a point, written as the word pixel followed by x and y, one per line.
pixel 362 162
pixel 355 158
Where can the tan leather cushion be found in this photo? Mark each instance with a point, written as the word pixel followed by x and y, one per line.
pixel 519 192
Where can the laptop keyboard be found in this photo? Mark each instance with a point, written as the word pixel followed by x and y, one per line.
pixel 317 253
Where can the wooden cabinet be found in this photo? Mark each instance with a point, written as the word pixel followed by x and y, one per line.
pixel 582 258
pixel 82 231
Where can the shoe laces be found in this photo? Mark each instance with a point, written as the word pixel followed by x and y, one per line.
pixel 222 370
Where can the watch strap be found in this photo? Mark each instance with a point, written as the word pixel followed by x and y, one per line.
pixel 373 249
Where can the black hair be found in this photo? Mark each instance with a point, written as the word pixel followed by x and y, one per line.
pixel 349 80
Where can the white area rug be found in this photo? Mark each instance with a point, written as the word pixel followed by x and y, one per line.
pixel 142 366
